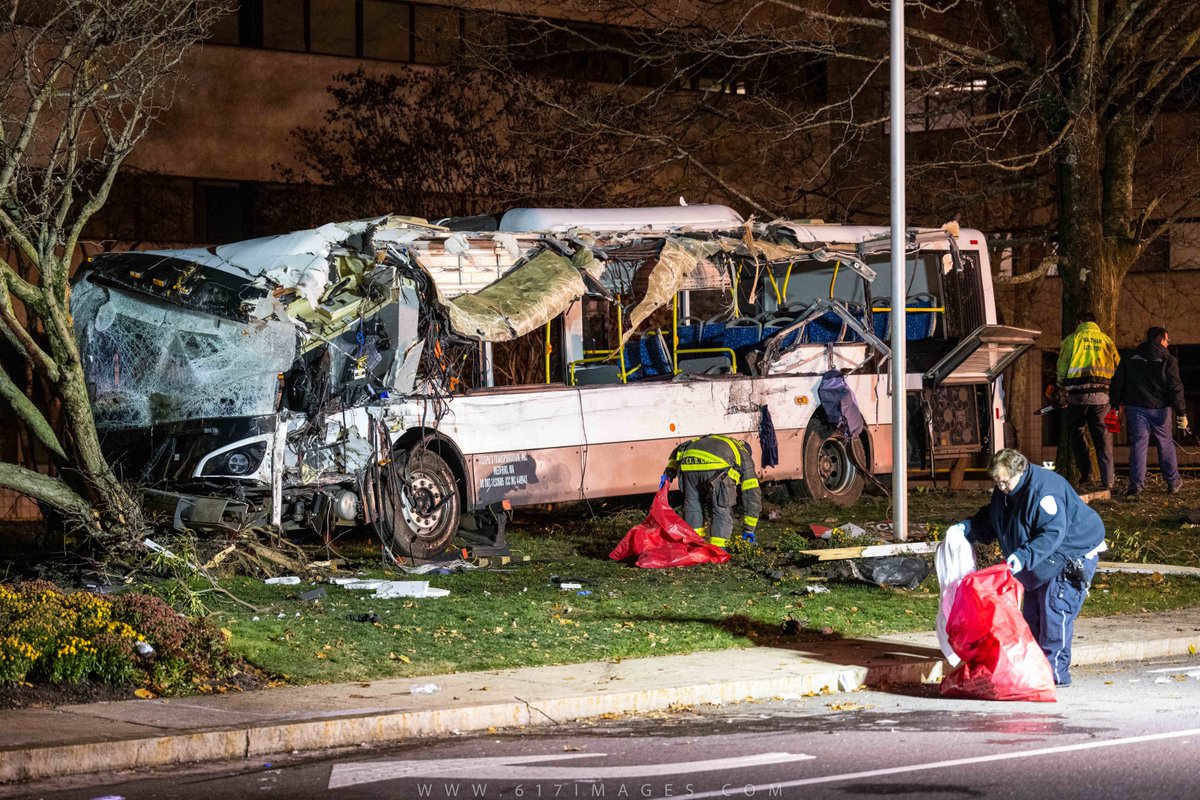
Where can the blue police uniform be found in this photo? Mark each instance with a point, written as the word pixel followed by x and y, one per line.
pixel 1058 540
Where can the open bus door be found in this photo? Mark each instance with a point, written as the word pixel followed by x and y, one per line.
pixel 955 384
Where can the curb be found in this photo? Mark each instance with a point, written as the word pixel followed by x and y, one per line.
pixel 899 666
pixel 34 763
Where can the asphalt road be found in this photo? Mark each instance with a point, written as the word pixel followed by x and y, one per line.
pixel 1126 732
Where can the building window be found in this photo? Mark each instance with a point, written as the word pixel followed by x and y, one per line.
pixel 421 33
pixel 1155 256
pixel 436 34
pixel 283 24
pixel 333 27
pixel 945 107
pixel 386 30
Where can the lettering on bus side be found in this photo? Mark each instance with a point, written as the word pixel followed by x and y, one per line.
pixel 509 473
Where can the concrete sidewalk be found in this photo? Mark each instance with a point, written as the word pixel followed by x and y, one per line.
pixel 39 743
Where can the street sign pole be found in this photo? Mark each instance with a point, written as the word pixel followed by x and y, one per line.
pixel 899 297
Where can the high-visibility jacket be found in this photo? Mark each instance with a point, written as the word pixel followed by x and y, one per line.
pixel 1087 362
pixel 722 453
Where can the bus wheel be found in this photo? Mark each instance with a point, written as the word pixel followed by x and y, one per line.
pixel 421 504
pixel 830 465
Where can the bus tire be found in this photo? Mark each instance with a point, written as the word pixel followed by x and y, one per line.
pixel 422 504
pixel 831 471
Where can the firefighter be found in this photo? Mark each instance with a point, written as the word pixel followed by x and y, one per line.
pixel 714 470
pixel 1085 369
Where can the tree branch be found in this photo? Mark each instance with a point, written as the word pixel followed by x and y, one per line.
pixel 44 488
pixel 29 413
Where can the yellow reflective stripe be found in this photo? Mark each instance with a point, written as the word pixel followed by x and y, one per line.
pixel 750 483
pixel 750 522
pixel 692 460
pixel 700 531
pixel 718 541
pixel 735 476
pixel 737 453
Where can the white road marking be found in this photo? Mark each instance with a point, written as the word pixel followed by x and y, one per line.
pixel 513 767
pixel 765 788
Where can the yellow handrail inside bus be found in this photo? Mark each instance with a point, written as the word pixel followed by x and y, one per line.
pixel 787 276
pixel 774 285
pixel 675 335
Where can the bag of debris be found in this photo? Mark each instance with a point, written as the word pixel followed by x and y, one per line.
pixel 665 540
pixel 1000 658
pixel 897 572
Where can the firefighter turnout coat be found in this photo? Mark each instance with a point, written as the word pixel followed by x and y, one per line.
pixel 716 454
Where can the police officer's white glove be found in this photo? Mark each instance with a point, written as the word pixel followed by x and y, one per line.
pixel 956 533
pixel 1014 563
pixel 1181 422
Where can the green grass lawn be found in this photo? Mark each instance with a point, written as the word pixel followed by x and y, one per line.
pixel 516 616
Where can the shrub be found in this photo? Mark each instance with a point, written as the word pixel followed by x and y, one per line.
pixel 57 637
pixel 62 638
pixel 186 651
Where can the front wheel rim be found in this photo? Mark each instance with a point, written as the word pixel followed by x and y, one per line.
pixel 422 505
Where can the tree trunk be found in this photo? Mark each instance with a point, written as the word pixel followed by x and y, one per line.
pixel 88 493
pixel 117 514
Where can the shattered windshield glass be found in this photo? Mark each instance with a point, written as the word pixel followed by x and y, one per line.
pixel 149 363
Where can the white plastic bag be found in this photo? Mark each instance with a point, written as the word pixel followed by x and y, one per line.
pixel 955 560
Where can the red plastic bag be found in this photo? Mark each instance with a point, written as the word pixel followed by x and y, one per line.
pixel 1000 658
pixel 665 540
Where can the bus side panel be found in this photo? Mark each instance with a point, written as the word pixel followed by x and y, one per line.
pixel 632 467
pixel 525 477
pixel 523 446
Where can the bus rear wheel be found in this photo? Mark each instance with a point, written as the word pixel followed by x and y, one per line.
pixel 831 470
pixel 421 504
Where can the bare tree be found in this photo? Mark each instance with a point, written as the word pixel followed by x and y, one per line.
pixel 1044 119
pixel 448 142
pixel 84 79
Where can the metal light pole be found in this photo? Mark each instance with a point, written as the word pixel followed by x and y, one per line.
pixel 899 351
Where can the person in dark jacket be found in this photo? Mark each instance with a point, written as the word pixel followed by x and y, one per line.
pixel 1147 385
pixel 715 469
pixel 1052 543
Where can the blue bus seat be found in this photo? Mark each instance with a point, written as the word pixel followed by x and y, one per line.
pixel 920 324
pixel 742 334
pixel 654 355
pixel 690 332
pixel 881 320
pixel 825 329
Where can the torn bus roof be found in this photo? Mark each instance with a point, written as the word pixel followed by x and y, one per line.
pixel 491 286
pixel 527 297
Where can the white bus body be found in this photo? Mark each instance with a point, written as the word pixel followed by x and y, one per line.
pixel 405 375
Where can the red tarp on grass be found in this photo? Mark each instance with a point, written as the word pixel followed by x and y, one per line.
pixel 665 540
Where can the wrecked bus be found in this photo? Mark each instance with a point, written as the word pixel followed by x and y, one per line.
pixel 417 377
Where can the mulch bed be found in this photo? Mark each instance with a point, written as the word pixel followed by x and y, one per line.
pixel 49 695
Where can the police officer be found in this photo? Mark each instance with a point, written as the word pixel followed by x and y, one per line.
pixel 1052 542
pixel 714 469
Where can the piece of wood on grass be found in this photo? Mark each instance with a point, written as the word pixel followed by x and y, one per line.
pixel 871 551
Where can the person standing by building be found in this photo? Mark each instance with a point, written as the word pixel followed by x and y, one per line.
pixel 714 470
pixel 1051 541
pixel 1086 365
pixel 1147 385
